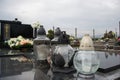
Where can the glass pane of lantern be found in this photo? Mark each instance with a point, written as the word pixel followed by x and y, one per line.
pixel 86 62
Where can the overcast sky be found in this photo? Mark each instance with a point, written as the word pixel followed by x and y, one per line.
pixel 66 14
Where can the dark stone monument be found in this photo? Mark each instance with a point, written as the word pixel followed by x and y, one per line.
pixel 10 29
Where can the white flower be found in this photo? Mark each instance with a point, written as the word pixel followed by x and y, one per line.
pixel 19 41
pixel 36 25
pixel 31 42
pixel 11 41
pixel 12 45
pixel 20 37
pixel 17 44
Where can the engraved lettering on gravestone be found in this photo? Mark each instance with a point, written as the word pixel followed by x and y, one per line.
pixel 6 31
pixel 0 31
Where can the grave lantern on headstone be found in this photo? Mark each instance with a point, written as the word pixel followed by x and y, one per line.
pixel 56 35
pixel 54 41
pixel 86 61
pixel 63 52
pixel 41 44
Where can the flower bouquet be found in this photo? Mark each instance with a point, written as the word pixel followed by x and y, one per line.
pixel 19 42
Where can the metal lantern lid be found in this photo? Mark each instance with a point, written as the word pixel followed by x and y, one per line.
pixel 41 31
pixel 57 33
pixel 41 36
pixel 86 43
pixel 63 39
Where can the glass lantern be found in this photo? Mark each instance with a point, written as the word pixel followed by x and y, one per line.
pixel 86 61
pixel 54 41
pixel 56 35
pixel 41 44
pixel 64 49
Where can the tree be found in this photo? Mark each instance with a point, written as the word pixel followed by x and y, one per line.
pixel 50 34
pixel 110 35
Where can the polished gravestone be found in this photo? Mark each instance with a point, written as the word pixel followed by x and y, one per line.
pixel 14 62
pixel 108 61
pixel 11 69
pixel 10 29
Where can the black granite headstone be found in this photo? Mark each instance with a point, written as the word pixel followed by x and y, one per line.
pixel 10 29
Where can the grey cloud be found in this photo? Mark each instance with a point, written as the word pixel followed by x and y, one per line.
pixel 83 14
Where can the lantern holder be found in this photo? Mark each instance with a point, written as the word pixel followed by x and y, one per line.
pixel 86 76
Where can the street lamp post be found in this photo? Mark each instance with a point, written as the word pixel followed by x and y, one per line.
pixel 119 28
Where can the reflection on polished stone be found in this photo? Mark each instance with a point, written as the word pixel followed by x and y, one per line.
pixel 11 67
pixel 108 61
pixel 14 65
pixel 15 70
